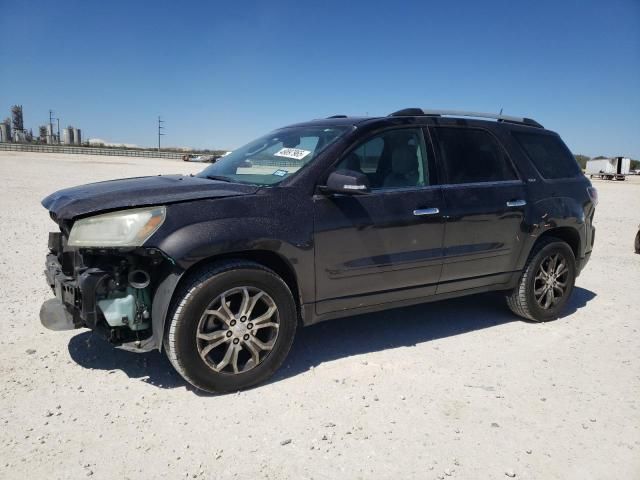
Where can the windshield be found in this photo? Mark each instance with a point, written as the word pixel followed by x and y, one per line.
pixel 274 157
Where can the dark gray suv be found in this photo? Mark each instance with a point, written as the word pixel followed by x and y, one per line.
pixel 315 221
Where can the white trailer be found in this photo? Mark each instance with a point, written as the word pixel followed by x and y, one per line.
pixel 609 168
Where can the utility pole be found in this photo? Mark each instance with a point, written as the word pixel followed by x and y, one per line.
pixel 160 128
pixel 50 132
pixel 58 120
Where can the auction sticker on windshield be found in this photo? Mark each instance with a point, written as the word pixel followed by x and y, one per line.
pixel 295 153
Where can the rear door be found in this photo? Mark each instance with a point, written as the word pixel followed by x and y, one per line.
pixel 485 201
pixel 385 246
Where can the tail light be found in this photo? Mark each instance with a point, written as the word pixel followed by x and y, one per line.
pixel 593 195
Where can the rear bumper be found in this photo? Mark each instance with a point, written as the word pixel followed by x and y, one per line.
pixel 588 242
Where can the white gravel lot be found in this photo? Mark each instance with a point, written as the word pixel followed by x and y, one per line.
pixel 456 389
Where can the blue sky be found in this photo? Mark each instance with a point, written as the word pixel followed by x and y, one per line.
pixel 222 73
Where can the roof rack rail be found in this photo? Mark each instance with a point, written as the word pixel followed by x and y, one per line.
pixel 337 116
pixel 408 112
pixel 411 112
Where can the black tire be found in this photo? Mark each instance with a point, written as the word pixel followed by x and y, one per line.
pixel 522 299
pixel 195 296
pixel 637 242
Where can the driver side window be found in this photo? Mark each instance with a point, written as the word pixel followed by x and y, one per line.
pixel 391 159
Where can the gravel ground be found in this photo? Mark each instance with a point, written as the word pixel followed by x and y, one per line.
pixel 460 388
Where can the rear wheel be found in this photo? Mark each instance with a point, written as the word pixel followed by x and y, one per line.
pixel 637 242
pixel 546 283
pixel 231 327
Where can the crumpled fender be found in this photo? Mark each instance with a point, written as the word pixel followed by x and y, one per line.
pixel 551 213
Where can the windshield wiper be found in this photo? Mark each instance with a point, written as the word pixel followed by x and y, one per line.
pixel 221 178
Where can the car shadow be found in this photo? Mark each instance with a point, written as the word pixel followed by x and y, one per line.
pixel 92 351
pixel 404 327
pixel 327 341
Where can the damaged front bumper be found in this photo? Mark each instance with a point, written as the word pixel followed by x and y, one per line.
pixel 55 316
pixel 124 295
pixel 76 295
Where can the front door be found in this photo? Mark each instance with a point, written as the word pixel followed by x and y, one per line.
pixel 485 203
pixel 384 246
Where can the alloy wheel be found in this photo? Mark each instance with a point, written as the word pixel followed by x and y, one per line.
pixel 238 330
pixel 551 281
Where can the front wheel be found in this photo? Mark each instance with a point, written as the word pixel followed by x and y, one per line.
pixel 546 283
pixel 231 327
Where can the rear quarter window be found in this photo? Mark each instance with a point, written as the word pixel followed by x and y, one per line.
pixel 472 155
pixel 549 155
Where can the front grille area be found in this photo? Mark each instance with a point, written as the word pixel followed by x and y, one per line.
pixel 55 242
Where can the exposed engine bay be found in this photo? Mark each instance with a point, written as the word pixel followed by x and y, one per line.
pixel 109 290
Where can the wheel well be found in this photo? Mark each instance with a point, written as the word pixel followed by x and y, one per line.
pixel 568 235
pixel 265 258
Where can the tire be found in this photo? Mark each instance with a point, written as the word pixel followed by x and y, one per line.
pixel 637 242
pixel 522 300
pixel 189 315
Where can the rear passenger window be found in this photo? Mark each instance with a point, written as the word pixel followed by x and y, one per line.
pixel 471 155
pixel 549 154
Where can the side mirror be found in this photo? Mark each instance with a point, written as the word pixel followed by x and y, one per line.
pixel 348 182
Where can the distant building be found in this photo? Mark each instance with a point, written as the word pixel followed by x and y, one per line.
pixel 101 142
pixel 51 137
pixel 12 130
pixel 67 135
pixel 17 119
pixel 5 131
pixel 19 136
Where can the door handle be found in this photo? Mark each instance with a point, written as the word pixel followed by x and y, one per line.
pixel 425 211
pixel 516 203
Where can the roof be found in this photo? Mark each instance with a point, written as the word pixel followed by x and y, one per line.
pixel 419 113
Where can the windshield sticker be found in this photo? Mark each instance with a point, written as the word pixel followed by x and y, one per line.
pixel 280 173
pixel 295 153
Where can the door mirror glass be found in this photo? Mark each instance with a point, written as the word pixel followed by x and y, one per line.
pixel 348 182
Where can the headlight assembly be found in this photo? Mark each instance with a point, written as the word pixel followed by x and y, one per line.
pixel 124 228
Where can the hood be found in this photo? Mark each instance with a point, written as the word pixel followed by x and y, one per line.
pixel 137 192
